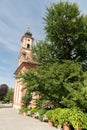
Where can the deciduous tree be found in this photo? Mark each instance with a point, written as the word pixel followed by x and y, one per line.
pixel 61 78
pixel 66 29
pixel 3 91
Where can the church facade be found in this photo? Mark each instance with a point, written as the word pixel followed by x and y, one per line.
pixel 25 62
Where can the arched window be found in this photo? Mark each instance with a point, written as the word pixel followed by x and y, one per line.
pixel 28 46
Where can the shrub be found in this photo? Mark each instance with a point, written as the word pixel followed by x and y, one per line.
pixel 78 119
pixel 49 114
pixel 23 109
pixel 56 117
pixel 41 113
pixel 33 110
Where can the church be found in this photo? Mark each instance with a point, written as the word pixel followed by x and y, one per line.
pixel 25 62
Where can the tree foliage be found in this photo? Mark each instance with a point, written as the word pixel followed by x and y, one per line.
pixel 3 91
pixel 26 98
pixel 64 85
pixel 9 96
pixel 61 79
pixel 66 28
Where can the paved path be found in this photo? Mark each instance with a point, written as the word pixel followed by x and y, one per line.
pixel 11 120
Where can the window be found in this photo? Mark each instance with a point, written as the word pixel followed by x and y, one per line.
pixel 28 46
pixel 24 54
pixel 28 39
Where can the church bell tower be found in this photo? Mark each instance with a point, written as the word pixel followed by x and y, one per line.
pixel 25 53
pixel 25 62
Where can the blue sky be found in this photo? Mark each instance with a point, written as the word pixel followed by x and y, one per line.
pixel 15 17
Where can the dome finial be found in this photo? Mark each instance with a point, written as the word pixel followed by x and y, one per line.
pixel 28 33
pixel 28 29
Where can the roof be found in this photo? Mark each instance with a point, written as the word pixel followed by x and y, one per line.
pixel 28 34
pixel 29 64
